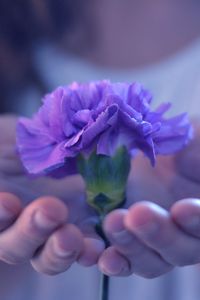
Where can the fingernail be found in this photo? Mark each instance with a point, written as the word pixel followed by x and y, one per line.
pixel 114 269
pixel 122 237
pixel 5 214
pixel 44 221
pixel 64 253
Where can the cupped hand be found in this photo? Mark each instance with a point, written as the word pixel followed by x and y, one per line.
pixel 147 238
pixel 150 238
pixel 52 232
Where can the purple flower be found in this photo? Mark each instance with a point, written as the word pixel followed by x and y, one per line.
pixel 98 116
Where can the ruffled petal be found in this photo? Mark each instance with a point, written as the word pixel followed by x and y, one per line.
pixel 173 135
pixel 39 154
pixel 103 122
pixel 101 116
pixel 139 98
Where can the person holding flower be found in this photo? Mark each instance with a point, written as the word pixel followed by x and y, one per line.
pixel 157 230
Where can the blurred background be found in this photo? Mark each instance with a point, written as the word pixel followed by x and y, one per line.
pixel 44 43
pixel 24 25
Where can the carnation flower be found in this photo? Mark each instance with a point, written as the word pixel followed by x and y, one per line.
pixel 96 117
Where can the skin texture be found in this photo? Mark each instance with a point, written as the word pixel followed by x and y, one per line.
pixel 48 223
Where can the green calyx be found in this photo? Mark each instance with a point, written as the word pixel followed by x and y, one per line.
pixel 105 178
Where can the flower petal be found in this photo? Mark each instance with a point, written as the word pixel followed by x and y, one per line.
pixel 103 122
pixel 139 98
pixel 173 134
pixel 44 160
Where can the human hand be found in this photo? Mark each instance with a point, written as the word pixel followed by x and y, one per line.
pixel 165 191
pixel 51 232
pixel 151 237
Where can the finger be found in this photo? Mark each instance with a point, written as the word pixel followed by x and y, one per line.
pixel 153 225
pixel 93 243
pixel 33 227
pixel 93 248
pixel 112 263
pixel 143 260
pixel 10 208
pixel 60 251
pixel 186 214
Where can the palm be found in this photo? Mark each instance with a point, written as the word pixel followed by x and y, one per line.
pixel 174 177
pixel 156 184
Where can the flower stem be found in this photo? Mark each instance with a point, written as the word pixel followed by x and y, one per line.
pixel 105 280
pixel 104 287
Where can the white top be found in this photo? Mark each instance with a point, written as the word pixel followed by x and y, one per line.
pixel 177 79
